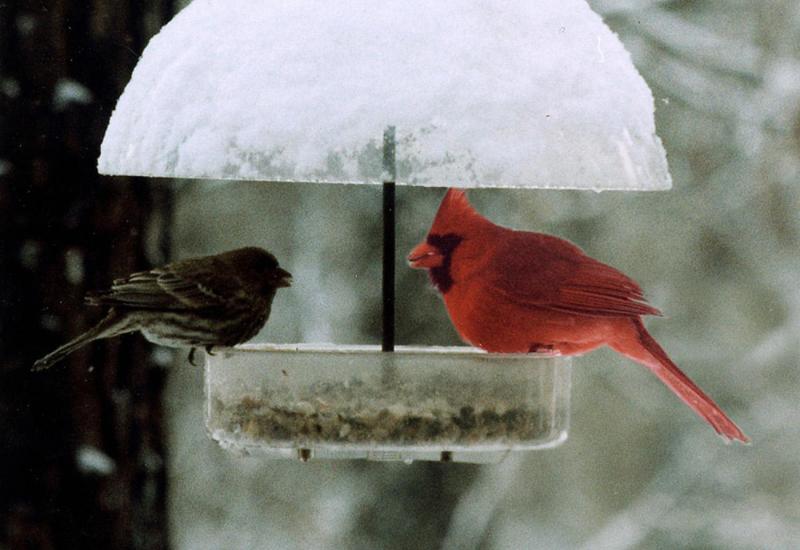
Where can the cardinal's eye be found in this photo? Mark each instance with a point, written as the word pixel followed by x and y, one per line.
pixel 445 243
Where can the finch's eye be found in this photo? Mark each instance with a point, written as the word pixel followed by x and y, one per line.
pixel 269 264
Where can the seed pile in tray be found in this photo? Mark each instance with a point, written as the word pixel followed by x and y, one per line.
pixel 359 419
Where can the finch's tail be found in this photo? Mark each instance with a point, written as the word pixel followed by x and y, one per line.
pixel 113 324
pixel 645 350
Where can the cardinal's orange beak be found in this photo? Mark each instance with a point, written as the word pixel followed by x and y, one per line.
pixel 425 256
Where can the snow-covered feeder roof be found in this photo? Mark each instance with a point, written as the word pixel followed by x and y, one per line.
pixel 510 94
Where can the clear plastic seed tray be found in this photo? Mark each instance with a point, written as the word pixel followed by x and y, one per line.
pixel 454 404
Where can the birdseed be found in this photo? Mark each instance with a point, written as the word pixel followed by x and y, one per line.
pixel 360 420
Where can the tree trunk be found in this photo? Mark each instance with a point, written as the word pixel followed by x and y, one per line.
pixel 81 464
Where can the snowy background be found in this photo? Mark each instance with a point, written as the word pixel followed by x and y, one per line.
pixel 719 254
pixel 80 462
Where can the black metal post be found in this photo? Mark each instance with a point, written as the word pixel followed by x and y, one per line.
pixel 390 171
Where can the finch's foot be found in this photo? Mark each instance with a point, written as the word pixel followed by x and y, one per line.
pixel 208 350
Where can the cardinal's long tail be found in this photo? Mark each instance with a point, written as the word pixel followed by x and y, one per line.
pixel 643 348
pixel 113 324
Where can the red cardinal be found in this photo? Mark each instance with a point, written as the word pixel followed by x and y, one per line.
pixel 513 291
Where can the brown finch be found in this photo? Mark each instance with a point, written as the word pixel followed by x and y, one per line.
pixel 219 300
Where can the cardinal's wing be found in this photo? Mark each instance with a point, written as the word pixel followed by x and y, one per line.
pixel 180 286
pixel 543 271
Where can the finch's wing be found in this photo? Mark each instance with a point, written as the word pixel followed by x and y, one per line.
pixel 202 284
pixel 547 272
pixel 184 285
pixel 139 290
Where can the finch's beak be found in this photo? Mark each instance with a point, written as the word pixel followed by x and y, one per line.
pixel 283 278
pixel 425 256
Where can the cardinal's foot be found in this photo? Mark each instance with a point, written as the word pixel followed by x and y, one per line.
pixel 544 349
pixel 191 357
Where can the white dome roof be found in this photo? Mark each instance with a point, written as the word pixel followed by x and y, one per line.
pixel 512 94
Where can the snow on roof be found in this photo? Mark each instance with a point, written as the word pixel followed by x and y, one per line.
pixel 511 94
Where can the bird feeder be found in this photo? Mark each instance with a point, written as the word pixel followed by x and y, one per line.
pixel 421 93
